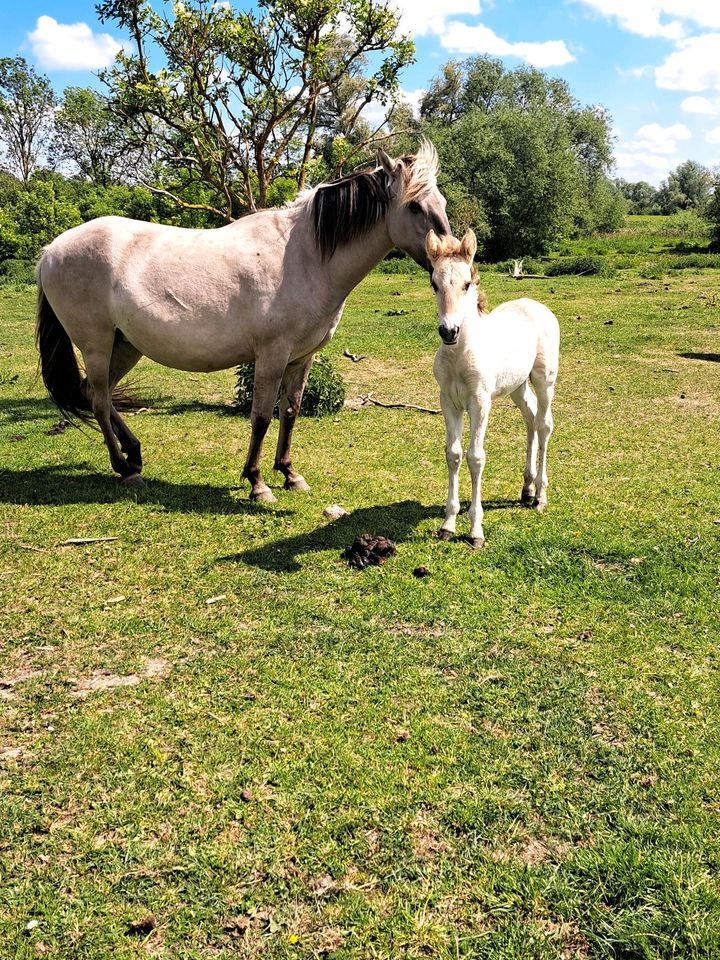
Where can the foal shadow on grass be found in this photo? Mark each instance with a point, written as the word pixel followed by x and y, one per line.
pixel 710 357
pixel 397 521
pixel 81 484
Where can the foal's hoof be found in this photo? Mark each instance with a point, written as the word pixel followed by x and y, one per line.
pixel 527 500
pixel 297 483
pixel 539 505
pixel 443 534
pixel 264 495
pixel 133 480
pixel 477 543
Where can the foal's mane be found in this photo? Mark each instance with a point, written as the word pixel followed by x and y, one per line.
pixel 350 207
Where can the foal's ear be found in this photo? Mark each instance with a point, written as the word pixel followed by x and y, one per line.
pixel 468 246
pixel 432 245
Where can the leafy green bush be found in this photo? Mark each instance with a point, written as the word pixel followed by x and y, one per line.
pixel 395 265
pixel 694 261
pixel 324 393
pixel 580 266
pixel 17 272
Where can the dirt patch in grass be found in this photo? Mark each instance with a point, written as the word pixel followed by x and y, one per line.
pixel 155 668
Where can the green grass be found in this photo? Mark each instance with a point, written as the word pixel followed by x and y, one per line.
pixel 516 757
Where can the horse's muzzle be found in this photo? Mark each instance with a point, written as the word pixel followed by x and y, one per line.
pixel 449 335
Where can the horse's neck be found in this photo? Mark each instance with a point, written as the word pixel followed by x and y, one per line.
pixel 354 260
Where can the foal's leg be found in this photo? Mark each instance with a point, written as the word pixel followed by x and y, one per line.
pixel 97 368
pixel 545 391
pixel 291 394
pixel 268 374
pixel 453 456
pixel 479 413
pixel 526 402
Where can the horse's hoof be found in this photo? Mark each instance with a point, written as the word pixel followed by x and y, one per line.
pixel 539 505
pixel 477 543
pixel 443 534
pixel 297 483
pixel 263 496
pixel 133 480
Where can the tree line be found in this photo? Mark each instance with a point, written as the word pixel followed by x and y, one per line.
pixel 210 113
pixel 689 187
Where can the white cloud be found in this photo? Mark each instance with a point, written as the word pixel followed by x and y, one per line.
pixel 414 97
pixel 636 165
pixel 458 37
pixel 71 46
pixel 659 18
pixel 699 105
pixel 420 17
pixel 654 139
pixel 694 66
pixel 713 136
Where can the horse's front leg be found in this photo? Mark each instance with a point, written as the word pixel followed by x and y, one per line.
pixel 453 456
pixel 268 374
pixel 291 394
pixel 479 413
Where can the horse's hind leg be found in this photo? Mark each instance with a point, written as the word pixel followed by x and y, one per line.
pixel 545 390
pixel 123 359
pixel 291 394
pixel 97 369
pixel 524 399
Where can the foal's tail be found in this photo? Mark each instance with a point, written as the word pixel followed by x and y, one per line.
pixel 58 363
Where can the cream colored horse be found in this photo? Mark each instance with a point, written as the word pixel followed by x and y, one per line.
pixel 483 356
pixel 269 288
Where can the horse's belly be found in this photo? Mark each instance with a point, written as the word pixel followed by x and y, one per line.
pixel 198 347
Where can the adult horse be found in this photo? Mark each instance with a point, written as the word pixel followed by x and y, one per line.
pixel 269 288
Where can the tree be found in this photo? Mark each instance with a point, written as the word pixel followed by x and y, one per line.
pixel 235 105
pixel 88 135
pixel 686 188
pixel 26 106
pixel 641 196
pixel 520 155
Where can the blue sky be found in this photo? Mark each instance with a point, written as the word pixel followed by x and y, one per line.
pixel 655 64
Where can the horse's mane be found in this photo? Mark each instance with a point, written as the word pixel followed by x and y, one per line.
pixel 348 208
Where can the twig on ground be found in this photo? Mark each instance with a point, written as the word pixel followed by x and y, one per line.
pixel 367 399
pixel 81 541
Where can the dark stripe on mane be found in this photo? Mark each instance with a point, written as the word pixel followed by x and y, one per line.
pixel 348 208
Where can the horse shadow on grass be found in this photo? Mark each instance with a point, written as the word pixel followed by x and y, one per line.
pixel 710 357
pixel 397 521
pixel 56 485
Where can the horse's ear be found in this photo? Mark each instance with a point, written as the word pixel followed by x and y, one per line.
pixel 394 170
pixel 390 166
pixel 468 246
pixel 432 245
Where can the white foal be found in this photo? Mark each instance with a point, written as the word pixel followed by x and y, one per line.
pixel 483 356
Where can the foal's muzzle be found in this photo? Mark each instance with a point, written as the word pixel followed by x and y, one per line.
pixel 448 335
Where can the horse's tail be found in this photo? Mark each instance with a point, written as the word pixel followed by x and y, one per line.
pixel 58 363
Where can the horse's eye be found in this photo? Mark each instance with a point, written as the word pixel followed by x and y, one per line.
pixel 414 207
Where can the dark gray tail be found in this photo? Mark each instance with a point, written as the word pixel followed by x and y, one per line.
pixel 58 364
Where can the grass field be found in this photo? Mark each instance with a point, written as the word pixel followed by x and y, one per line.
pixel 217 741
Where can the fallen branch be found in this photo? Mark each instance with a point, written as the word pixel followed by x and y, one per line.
pixel 81 541
pixel 354 356
pixel 367 400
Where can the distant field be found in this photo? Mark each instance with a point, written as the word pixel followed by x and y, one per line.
pixel 213 721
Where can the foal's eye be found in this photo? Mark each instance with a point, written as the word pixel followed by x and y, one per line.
pixel 467 286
